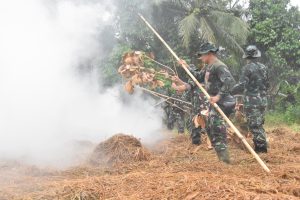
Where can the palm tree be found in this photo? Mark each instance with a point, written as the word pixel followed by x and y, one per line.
pixel 217 21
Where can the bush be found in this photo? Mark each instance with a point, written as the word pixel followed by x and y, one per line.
pixel 292 114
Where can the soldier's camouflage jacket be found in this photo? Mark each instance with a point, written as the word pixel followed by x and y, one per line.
pixel 254 83
pixel 195 95
pixel 218 80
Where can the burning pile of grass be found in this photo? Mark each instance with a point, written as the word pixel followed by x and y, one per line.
pixel 119 149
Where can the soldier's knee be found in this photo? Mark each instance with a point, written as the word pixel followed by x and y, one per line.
pixel 256 130
pixel 219 146
pixel 219 129
pixel 255 121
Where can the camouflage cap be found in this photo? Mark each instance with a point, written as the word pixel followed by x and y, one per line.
pixel 252 51
pixel 206 48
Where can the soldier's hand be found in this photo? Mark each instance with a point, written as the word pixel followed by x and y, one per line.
pixel 176 80
pixel 238 106
pixel 215 99
pixel 183 63
pixel 174 86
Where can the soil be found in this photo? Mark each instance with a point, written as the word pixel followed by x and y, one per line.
pixel 121 168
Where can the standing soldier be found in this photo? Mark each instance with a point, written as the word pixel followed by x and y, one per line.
pixel 177 113
pixel 199 103
pixel 218 81
pixel 167 108
pixel 254 83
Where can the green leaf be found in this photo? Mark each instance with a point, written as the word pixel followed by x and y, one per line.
pixel 187 27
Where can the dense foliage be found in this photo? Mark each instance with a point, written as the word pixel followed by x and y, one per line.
pixel 273 25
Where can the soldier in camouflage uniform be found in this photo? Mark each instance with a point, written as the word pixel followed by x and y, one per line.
pixel 177 114
pixel 167 108
pixel 218 81
pixel 195 96
pixel 254 83
pixel 199 103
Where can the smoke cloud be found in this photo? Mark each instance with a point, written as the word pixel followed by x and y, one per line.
pixel 44 104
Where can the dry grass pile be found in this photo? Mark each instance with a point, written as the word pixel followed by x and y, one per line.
pixel 119 149
pixel 177 170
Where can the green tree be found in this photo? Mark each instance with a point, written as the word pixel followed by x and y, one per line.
pixel 185 24
pixel 275 28
pixel 217 21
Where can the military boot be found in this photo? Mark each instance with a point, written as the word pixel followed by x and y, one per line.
pixel 260 149
pixel 224 156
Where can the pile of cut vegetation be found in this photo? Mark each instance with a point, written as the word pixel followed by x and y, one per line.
pixel 119 148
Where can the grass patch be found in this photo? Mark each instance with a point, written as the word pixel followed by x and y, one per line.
pixel 277 118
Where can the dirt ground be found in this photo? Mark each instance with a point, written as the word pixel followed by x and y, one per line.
pixel 174 169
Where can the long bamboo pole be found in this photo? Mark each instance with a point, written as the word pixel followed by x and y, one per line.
pixel 262 164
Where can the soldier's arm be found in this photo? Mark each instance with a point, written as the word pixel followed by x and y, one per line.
pixel 226 79
pixel 267 80
pixel 181 88
pixel 240 86
pixel 180 85
pixel 199 75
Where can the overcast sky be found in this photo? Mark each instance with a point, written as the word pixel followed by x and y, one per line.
pixel 295 2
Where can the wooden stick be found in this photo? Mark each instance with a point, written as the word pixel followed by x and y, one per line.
pixel 177 106
pixel 175 68
pixel 164 100
pixel 165 96
pixel 167 101
pixel 262 164
pixel 169 68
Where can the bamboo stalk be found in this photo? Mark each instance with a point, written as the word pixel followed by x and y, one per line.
pixel 262 164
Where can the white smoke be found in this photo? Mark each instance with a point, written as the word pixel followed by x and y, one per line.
pixel 43 104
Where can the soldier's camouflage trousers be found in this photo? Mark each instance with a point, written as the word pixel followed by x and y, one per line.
pixel 195 132
pixel 178 118
pixel 216 130
pixel 200 103
pixel 254 110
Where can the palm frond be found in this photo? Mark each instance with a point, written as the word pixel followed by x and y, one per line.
pixel 225 38
pixel 216 4
pixel 179 3
pixel 187 27
pixel 173 7
pixel 235 26
pixel 205 31
pixel 158 2
pixel 199 3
